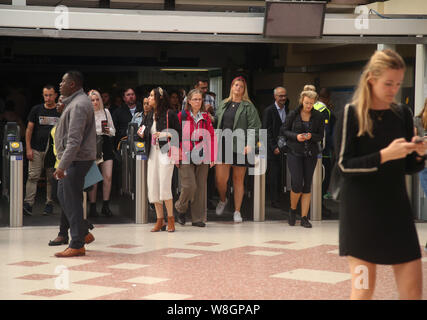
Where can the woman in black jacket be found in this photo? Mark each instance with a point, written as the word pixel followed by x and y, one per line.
pixel 304 130
pixel 160 131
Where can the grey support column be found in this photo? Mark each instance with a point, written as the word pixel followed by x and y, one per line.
pixel 19 2
pixel 16 190
pixel 316 191
pixel 141 204
pixel 259 188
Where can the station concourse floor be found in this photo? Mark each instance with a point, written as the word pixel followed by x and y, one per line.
pixel 225 261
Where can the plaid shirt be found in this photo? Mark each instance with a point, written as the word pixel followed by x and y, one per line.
pixel 208 100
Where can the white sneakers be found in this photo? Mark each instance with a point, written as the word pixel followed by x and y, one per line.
pixel 237 217
pixel 220 207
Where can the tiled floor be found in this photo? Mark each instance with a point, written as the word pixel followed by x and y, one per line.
pixel 257 261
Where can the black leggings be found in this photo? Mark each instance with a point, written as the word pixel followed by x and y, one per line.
pixel 302 169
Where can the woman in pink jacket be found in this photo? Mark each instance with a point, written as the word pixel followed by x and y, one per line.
pixel 198 150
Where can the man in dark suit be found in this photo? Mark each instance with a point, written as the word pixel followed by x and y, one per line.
pixel 123 115
pixel 273 118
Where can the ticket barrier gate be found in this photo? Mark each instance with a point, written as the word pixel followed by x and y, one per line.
pixel 12 173
pixel 134 174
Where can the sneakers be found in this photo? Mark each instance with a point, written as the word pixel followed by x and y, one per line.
pixel 28 210
pixel 237 217
pixel 220 207
pixel 48 209
pixel 305 223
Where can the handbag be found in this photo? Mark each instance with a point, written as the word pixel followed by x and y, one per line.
pixel 281 144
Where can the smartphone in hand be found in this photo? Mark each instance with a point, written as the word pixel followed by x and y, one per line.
pixel 104 125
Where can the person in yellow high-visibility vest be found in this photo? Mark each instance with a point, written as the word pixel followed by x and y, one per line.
pixel 322 105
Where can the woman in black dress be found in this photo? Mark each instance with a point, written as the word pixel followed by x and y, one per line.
pixel 376 145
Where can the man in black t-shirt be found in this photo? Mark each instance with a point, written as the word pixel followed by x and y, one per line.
pixel 41 119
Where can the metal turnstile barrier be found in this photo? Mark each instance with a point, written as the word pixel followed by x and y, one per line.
pixel 316 191
pixel 141 204
pixel 259 188
pixel 134 173
pixel 12 180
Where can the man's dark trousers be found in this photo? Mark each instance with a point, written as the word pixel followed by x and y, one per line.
pixel 64 225
pixel 70 195
pixel 274 166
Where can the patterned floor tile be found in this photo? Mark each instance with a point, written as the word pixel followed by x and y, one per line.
pixel 36 277
pixel 166 296
pixel 308 259
pixel 182 255
pixel 203 244
pixel 299 246
pixel 278 242
pixel 128 266
pixel 28 263
pixel 265 253
pixel 47 293
pixel 336 251
pixel 146 280
pixel 124 246
pixel 314 276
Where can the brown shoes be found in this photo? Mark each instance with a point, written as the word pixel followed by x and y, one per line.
pixel 58 241
pixel 70 252
pixel 171 224
pixel 160 225
pixel 89 238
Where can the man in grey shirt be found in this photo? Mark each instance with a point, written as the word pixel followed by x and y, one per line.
pixel 75 142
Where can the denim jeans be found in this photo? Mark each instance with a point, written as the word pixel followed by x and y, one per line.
pixel 423 180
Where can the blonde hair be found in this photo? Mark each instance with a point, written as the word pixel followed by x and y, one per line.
pixel 309 87
pixel 97 94
pixel 423 115
pixel 307 93
pixel 362 99
pixel 245 93
pixel 190 96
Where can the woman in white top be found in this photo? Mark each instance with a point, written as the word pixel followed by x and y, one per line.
pixel 160 131
pixel 104 130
